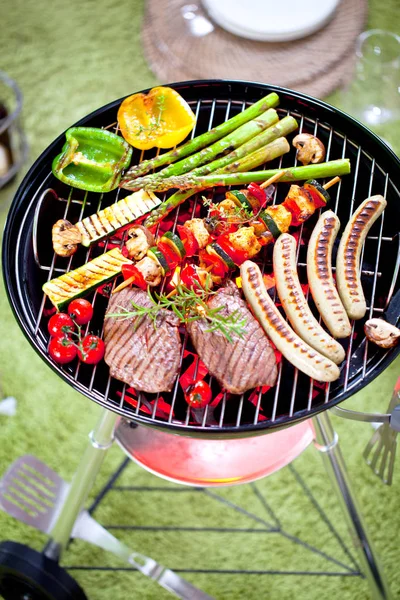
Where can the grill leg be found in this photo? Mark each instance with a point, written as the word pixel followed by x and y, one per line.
pixel 101 439
pixel 327 443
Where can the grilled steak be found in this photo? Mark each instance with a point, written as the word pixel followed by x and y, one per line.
pixel 243 364
pixel 142 356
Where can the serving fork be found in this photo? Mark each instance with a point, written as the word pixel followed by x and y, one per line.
pixel 380 452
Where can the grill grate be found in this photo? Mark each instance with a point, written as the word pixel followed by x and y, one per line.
pixel 295 396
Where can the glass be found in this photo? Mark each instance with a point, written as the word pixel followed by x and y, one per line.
pixel 13 144
pixel 373 95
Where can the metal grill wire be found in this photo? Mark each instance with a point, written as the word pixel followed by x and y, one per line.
pixel 282 403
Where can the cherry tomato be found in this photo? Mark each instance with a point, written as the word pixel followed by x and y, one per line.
pixel 62 349
pixel 93 350
pixel 80 310
pixel 129 271
pixel 198 395
pixel 60 323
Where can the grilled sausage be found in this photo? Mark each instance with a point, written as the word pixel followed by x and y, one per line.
pixel 320 278
pixel 300 354
pixel 294 303
pixel 348 256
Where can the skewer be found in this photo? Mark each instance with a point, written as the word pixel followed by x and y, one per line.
pixel 266 183
pixel 331 183
pixel 279 175
pixel 123 285
pixel 272 179
pixel 174 291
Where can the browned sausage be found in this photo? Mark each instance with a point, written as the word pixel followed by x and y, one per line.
pixel 320 278
pixel 348 256
pixel 294 303
pixel 300 354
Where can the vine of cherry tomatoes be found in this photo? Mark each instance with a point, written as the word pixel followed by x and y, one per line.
pixel 66 339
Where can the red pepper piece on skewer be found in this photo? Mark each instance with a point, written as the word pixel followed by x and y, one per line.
pixel 219 268
pixel 172 258
pixel 132 272
pixel 238 256
pixel 190 278
pixel 256 191
pixel 188 240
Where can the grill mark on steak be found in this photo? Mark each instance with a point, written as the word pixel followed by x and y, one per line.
pixel 145 358
pixel 235 357
pixel 245 363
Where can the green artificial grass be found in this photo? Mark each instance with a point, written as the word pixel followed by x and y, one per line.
pixel 70 58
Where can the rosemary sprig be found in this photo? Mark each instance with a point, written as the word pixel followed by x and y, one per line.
pixel 188 305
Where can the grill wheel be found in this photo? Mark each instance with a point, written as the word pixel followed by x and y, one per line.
pixel 28 575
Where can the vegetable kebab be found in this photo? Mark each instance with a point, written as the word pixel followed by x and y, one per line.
pixel 235 230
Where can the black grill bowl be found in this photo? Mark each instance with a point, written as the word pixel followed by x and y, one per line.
pixel 375 170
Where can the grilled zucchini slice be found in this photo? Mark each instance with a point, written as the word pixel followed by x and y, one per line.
pixel 84 279
pixel 240 199
pixel 122 213
pixel 269 223
pixel 159 258
pixel 216 249
pixel 174 242
pixel 316 187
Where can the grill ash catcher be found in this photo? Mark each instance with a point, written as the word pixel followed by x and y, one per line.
pixel 239 439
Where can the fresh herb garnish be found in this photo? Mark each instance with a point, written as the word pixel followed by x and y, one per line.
pixel 221 220
pixel 188 305
pixel 155 121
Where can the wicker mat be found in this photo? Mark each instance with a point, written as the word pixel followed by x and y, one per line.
pixel 316 64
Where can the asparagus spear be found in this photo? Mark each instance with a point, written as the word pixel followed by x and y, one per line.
pixel 269 152
pixel 223 146
pixel 282 128
pixel 205 139
pixel 316 171
pixel 279 129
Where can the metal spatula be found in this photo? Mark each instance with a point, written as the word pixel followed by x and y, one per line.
pixel 380 452
pixel 34 494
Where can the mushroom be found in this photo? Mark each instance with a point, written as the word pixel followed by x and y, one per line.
pixel 382 333
pixel 140 240
pixel 65 237
pixel 309 148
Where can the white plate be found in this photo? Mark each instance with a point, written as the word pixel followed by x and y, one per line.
pixel 271 20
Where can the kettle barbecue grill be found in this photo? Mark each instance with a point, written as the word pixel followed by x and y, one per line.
pixel 154 429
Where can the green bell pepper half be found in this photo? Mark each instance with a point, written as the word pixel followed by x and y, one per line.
pixel 92 159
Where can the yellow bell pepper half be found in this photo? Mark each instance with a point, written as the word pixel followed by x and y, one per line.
pixel 161 119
